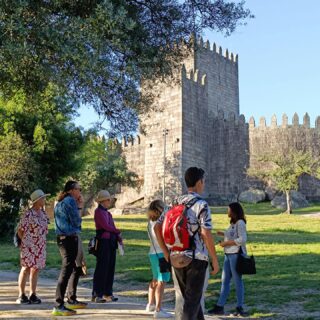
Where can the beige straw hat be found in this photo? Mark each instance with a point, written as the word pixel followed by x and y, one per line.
pixel 37 195
pixel 103 195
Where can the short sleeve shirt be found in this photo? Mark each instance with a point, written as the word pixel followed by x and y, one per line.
pixel 199 216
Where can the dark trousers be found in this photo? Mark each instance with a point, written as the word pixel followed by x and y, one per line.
pixel 191 281
pixel 69 274
pixel 105 267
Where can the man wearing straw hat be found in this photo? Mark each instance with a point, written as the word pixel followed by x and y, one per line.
pixel 32 230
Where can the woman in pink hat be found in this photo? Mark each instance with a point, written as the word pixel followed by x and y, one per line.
pixel 32 230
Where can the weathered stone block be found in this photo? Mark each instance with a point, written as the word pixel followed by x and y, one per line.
pixel 252 196
pixel 298 200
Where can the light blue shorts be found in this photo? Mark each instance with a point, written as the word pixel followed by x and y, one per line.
pixel 156 274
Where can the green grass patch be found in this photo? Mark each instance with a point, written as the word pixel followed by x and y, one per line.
pixel 286 247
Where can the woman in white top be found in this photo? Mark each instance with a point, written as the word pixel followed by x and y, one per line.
pixel 235 238
pixel 157 284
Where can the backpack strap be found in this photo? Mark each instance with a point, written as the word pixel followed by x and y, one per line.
pixel 189 205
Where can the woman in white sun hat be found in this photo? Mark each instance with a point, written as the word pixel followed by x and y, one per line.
pixel 108 239
pixel 32 230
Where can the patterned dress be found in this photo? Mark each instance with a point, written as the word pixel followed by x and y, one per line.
pixel 33 245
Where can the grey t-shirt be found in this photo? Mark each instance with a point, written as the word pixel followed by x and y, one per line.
pixel 199 216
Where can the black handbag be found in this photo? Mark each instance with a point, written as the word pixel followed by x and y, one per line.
pixel 164 265
pixel 245 264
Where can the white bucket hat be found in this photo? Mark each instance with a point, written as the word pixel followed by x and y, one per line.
pixel 103 195
pixel 37 195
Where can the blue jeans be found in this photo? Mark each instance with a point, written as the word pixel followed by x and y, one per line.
pixel 230 272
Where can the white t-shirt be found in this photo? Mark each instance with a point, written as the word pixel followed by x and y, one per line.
pixel 154 245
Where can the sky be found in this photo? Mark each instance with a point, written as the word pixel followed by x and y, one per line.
pixel 279 60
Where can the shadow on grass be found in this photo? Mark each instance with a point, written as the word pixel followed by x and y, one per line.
pixel 280 236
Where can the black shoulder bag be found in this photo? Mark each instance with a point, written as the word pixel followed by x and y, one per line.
pixel 245 264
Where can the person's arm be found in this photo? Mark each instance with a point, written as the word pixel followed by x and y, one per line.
pixel 242 236
pixel 73 213
pixel 158 231
pixel 102 221
pixel 209 242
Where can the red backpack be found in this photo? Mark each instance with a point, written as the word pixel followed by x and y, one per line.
pixel 175 229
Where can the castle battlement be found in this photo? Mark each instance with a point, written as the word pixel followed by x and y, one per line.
pixel 130 141
pixel 217 50
pixel 284 122
pixel 194 75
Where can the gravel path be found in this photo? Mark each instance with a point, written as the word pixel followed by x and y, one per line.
pixel 125 308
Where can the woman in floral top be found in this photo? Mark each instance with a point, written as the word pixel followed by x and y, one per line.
pixel 33 229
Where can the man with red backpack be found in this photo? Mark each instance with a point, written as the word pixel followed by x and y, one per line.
pixel 184 234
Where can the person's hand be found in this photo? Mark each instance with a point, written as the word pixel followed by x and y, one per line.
pixel 215 267
pixel 80 201
pixel 167 255
pixel 223 244
pixel 220 233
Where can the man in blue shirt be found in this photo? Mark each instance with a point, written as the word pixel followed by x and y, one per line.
pixel 68 227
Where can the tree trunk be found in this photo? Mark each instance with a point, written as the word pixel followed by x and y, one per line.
pixel 288 197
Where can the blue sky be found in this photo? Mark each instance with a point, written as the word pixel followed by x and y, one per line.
pixel 279 60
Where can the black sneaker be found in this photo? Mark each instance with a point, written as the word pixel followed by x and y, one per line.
pixel 240 312
pixel 23 299
pixel 34 299
pixel 217 310
pixel 75 304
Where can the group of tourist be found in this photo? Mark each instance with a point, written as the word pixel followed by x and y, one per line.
pixel 181 245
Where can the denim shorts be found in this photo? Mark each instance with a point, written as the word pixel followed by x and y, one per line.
pixel 156 274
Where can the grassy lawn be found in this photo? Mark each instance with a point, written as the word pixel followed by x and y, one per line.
pixel 287 251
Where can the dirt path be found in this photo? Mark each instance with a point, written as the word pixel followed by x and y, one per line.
pixel 126 308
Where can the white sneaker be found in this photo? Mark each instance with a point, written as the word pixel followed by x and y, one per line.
pixel 162 315
pixel 150 307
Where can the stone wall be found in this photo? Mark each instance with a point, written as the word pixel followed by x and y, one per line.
pixel 229 157
pixel 221 69
pixel 284 137
pixel 195 142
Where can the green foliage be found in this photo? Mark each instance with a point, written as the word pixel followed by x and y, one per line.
pixel 284 170
pixel 97 52
pixel 38 143
pixel 16 170
pixel 104 166
pixel 44 124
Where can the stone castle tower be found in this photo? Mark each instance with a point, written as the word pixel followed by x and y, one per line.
pixel 200 116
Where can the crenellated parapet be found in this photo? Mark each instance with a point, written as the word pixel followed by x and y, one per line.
pixel 194 75
pixel 130 141
pixel 205 45
pixel 284 123
pixel 231 119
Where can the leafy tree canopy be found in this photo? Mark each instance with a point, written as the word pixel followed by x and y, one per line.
pixel 43 125
pixel 284 170
pixel 98 51
pixel 104 167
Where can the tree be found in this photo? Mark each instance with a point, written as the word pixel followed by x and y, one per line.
pixel 285 169
pixel 44 123
pixel 38 143
pixel 98 51
pixel 16 171
pixel 104 167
